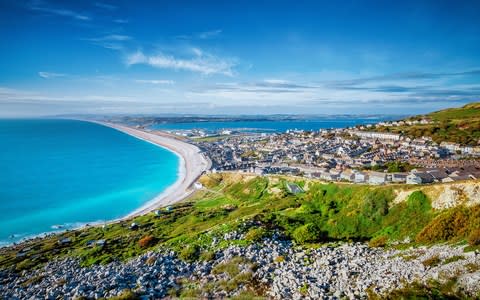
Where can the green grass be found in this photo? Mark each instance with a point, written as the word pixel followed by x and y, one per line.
pixel 323 213
pixel 432 290
pixel 213 138
pixel 457 125
pixel 453 259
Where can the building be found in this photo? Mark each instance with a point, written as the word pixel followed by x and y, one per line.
pixel 377 135
pixel 347 175
pixel 419 178
pixel 360 177
pixel 377 178
pixel 399 177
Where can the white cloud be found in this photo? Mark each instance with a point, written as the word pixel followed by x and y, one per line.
pixel 155 81
pixel 121 21
pixel 203 63
pixel 48 75
pixel 197 51
pixel 44 7
pixel 115 37
pixel 205 35
pixel 276 81
pixel 209 34
pixel 112 41
pixel 105 6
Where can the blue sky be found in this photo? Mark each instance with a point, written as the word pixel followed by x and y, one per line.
pixel 228 57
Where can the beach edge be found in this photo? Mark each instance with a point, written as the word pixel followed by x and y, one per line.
pixel 193 163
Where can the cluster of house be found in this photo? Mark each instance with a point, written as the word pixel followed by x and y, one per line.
pixel 422 121
pixel 416 176
pixel 337 154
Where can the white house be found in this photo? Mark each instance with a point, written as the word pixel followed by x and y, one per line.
pixel 399 177
pixel 418 178
pixel 377 178
pixel 347 175
pixel 360 177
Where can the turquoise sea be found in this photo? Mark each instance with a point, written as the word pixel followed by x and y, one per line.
pixel 66 172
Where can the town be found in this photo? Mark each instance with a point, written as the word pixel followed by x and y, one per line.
pixel 356 155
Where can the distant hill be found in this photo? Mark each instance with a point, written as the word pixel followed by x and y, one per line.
pixel 458 125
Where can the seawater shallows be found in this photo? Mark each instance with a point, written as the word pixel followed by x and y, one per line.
pixel 67 172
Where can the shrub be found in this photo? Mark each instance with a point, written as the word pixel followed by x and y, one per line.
pixel 453 259
pixel 189 253
pixel 474 237
pixel 306 233
pixel 255 234
pixel 150 261
pixel 147 241
pixel 447 226
pixel 380 241
pixel 207 255
pixel 126 295
pixel 25 265
pixel 230 267
pixel 304 289
pixel 432 261
pixel 418 201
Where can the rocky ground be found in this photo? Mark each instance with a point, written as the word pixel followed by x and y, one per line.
pixel 274 268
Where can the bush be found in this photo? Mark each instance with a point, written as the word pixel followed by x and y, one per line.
pixel 25 265
pixel 474 237
pixel 255 234
pixel 306 233
pixel 447 226
pixel 231 267
pixel 150 261
pixel 304 289
pixel 380 241
pixel 189 253
pixel 432 261
pixel 126 295
pixel 147 241
pixel 207 255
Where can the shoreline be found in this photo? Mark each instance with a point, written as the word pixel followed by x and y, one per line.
pixel 192 165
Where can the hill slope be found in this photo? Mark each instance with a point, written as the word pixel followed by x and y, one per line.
pixel 457 125
pixel 244 236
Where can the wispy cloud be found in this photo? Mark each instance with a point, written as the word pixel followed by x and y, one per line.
pixel 201 62
pixel 401 76
pixel 155 81
pixel 112 41
pixel 48 75
pixel 121 21
pixel 41 6
pixel 270 86
pixel 204 35
pixel 105 6
pixel 209 34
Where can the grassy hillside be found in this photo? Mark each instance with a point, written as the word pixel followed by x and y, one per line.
pixel 257 206
pixel 457 125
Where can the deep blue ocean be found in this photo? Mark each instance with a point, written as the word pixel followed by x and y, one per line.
pixel 65 172
pixel 273 126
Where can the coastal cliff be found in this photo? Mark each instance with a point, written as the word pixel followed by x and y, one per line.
pixel 446 195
